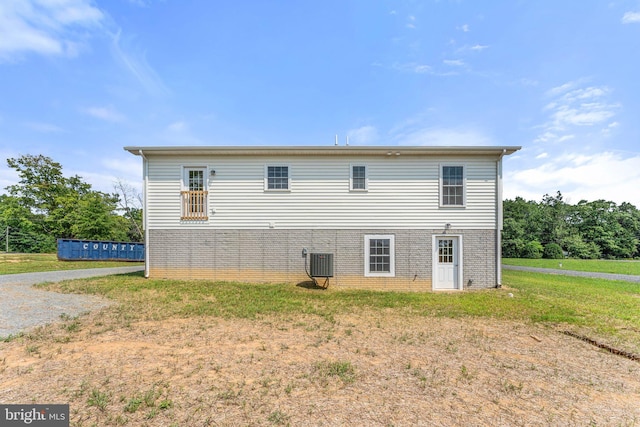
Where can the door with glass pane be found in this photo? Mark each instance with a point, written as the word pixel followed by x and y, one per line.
pixel 446 263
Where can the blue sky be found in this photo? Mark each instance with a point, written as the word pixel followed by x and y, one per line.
pixel 80 79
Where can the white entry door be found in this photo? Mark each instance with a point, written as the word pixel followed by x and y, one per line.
pixel 446 263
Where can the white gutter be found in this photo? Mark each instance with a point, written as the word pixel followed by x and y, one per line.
pixel 145 181
pixel 499 218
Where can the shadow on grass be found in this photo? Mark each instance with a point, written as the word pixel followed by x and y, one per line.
pixel 132 274
pixel 310 284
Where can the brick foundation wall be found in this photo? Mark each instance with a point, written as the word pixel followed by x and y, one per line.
pixel 274 255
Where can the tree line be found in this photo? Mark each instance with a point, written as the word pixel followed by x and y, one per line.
pixel 46 205
pixel 553 228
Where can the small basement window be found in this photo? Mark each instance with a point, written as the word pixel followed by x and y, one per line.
pixel 379 256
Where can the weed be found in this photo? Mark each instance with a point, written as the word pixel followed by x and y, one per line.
pixel 12 337
pixel 133 405
pixel 289 388
pixel 165 404
pixel 278 417
pixel 228 394
pixel 33 349
pixel 341 369
pixel 98 399
pixel 150 398
pixel 508 387
pixel 73 326
pixel 466 375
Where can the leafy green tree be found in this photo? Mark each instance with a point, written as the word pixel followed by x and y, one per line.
pixel 553 251
pixel 533 249
pixel 45 205
pixel 578 248
pixel 93 218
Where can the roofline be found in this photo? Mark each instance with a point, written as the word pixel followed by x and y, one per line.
pixel 322 150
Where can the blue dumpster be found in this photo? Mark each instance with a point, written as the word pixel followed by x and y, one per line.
pixel 94 250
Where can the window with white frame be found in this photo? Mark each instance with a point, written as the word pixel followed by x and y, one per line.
pixel 379 256
pixel 277 178
pixel 194 194
pixel 358 181
pixel 452 185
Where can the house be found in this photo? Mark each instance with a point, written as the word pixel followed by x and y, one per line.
pixel 387 218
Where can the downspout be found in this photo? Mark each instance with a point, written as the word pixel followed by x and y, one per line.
pixel 499 218
pixel 145 174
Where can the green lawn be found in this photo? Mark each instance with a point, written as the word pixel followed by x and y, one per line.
pixel 600 266
pixel 30 263
pixel 601 309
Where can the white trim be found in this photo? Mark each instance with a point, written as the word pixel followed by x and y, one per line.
pixel 464 185
pixel 434 260
pixel 392 255
pixel 145 210
pixel 366 178
pixel 266 177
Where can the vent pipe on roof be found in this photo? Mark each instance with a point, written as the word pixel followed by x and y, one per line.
pixel 347 140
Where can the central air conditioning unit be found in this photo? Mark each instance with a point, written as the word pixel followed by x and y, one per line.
pixel 321 265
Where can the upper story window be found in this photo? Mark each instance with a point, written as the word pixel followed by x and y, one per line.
pixel 452 185
pixel 358 178
pixel 194 194
pixel 379 257
pixel 277 178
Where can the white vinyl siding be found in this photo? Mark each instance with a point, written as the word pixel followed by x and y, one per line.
pixel 402 192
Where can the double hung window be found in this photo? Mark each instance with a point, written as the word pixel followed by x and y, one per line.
pixel 452 185
pixel 358 178
pixel 379 259
pixel 277 178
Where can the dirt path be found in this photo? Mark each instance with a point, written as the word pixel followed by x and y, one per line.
pixel 373 369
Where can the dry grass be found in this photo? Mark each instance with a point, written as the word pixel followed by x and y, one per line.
pixel 369 367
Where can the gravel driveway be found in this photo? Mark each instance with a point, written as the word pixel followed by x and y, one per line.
pixel 22 306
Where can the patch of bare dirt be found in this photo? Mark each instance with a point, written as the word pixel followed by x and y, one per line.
pixel 362 369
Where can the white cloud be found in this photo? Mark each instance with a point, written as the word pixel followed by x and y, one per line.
pixel 43 127
pixel 542 156
pixel 178 126
pixel 442 137
pixel 572 107
pixel 479 47
pixel 412 67
pixel 464 28
pixel 362 135
pixel 579 176
pixel 138 66
pixel 454 62
pixel 46 27
pixel 108 114
pixel 631 18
